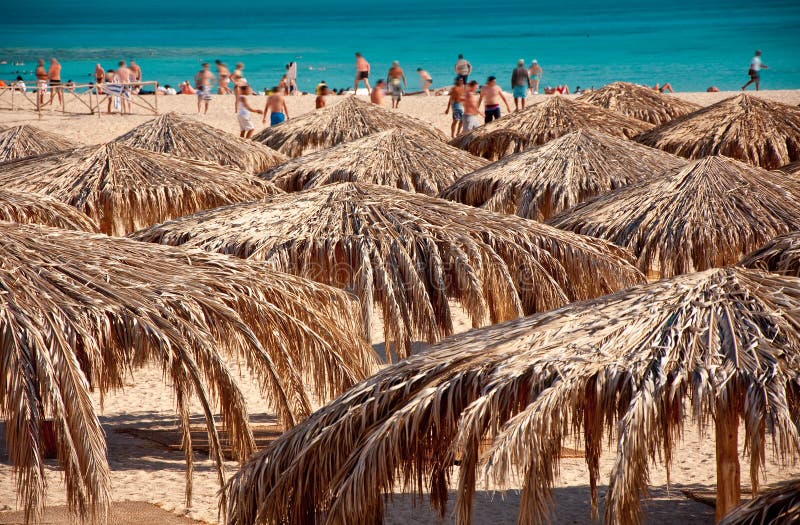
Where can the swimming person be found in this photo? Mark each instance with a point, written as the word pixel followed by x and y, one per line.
pixel 362 73
pixel 243 110
pixel 202 83
pixel 520 84
pixel 755 71
pixel 276 108
pixel 376 95
pixel 395 75
pixel 491 95
pixel 426 80
pixel 456 102
pixel 54 79
pixel 535 72
pixel 463 68
pixel 471 108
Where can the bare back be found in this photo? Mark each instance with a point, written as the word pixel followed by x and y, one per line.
pixel 55 72
pixel 470 104
pixel 276 103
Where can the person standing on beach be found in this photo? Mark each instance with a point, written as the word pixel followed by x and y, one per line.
pixel 243 110
pixel 362 73
pixel 54 78
pixel 471 108
pixel 426 80
pixel 238 75
pixel 395 75
pixel 125 78
pixel 456 102
pixel 376 95
pixel 99 76
pixel 520 84
pixel 463 68
pixel 224 75
pixel 202 83
pixel 491 95
pixel 535 72
pixel 276 108
pixel 755 71
pixel 291 76
pixel 41 81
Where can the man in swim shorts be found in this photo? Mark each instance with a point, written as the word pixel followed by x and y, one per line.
pixel 362 73
pixel 471 108
pixel 202 83
pixel 276 108
pixel 54 78
pixel 394 77
pixel 755 71
pixel 456 101
pixel 520 84
pixel 491 95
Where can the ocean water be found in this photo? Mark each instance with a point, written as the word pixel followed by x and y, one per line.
pixel 690 44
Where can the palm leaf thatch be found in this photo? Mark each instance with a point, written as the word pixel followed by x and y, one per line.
pixel 81 309
pixel 548 179
pixel 27 141
pixel 409 253
pixel 707 214
pixel 778 255
pixel 757 131
pixel 778 506
pixel 347 120
pixel 32 208
pixel 400 158
pixel 793 168
pixel 188 138
pixel 717 346
pixel 125 189
pixel 639 102
pixel 542 123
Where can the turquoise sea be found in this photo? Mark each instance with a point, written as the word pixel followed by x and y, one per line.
pixel 690 44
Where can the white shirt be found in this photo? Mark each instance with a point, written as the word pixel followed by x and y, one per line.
pixel 755 64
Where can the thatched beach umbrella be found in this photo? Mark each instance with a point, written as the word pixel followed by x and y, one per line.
pixel 344 121
pixel 409 253
pixel 188 138
pixel 751 129
pixel 125 189
pixel 544 122
pixel 778 255
pixel 33 208
pixel 793 168
pixel 719 346
pixel 27 141
pixel 705 215
pixel 777 506
pixel 543 181
pixel 399 158
pixel 639 102
pixel 81 309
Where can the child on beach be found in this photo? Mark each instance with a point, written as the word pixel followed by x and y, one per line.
pixel 243 110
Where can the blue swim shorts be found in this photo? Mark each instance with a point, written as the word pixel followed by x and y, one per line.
pixel 276 118
pixel 520 91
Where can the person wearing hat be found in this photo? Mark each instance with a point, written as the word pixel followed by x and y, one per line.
pixel 535 72
pixel 520 84
pixel 491 95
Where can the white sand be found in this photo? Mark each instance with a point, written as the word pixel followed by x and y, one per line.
pixel 144 471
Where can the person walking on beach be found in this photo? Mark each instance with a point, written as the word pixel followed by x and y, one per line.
pixel 471 108
pixel 238 75
pixel 535 72
pixel 275 108
pixel 463 68
pixel 362 73
pixel 395 75
pixel 224 76
pixel 376 95
pixel 202 83
pixel 426 80
pixel 491 95
pixel 456 103
pixel 755 71
pixel 520 84
pixel 243 110
pixel 54 79
pixel 291 77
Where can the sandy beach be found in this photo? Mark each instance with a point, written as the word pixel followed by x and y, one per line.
pixel 145 470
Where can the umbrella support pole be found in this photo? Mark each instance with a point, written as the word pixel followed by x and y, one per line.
pixel 728 471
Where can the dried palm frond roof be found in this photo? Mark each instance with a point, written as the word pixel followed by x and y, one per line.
pixel 777 506
pixel 542 123
pixel 125 189
pixel 705 215
pixel 633 365
pixel 33 208
pixel 778 255
pixel 400 158
pixel 639 102
pixel 81 309
pixel 744 127
pixel 188 138
pixel 793 168
pixel 409 253
pixel 27 141
pixel 344 121
pixel 548 179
